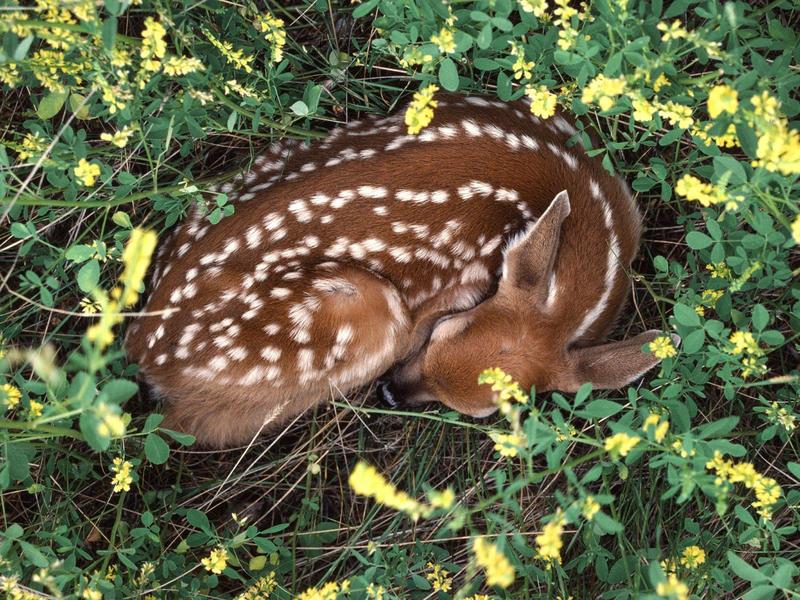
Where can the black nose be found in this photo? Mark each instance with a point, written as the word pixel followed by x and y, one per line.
pixel 387 394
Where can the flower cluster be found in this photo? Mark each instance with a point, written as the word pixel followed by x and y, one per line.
pixel 766 489
pixel 778 414
pixel 499 570
pixel 439 578
pixel 659 427
pixel 274 33
pixel 543 101
pixel 505 387
pixel 327 591
pixel 122 475
pixel 10 395
pixel 367 481
pixel 445 40
pixel 603 91
pixel 620 444
pixel 508 444
pixel 521 67
pixel 217 561
pixel 86 173
pixel 419 113
pixel 662 347
pixel 237 58
pixel 673 588
pixel 260 589
pixel 549 543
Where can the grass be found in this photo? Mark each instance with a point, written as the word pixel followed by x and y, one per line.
pixel 66 533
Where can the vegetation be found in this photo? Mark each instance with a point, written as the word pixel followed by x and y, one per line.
pixel 118 116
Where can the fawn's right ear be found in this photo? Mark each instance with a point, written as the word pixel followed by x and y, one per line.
pixel 528 259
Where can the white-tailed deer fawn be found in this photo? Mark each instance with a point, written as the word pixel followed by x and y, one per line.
pixel 484 241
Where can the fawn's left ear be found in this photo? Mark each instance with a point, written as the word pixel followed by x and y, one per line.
pixel 613 365
pixel 528 259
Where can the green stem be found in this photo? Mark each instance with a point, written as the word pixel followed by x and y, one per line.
pixel 48 429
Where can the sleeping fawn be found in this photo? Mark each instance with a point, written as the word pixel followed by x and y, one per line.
pixel 484 241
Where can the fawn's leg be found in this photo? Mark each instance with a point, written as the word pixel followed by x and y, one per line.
pixel 277 349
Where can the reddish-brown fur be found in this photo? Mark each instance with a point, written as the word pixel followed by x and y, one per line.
pixel 343 287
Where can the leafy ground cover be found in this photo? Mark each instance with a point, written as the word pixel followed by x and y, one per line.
pixel 118 116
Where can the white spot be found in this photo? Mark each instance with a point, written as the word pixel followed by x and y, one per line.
pixel 237 353
pixel 253 236
pixel 280 293
pixel 270 353
pixel 369 191
pixel 218 363
pixel 272 328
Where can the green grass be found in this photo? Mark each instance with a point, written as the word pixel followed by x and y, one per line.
pixel 65 532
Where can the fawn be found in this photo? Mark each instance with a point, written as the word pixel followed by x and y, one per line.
pixel 484 241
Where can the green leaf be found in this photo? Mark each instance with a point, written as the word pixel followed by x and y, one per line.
pixel 363 9
pixel 120 390
pixel 685 315
pixel 79 106
pixel 600 409
pixel 184 439
pixel 20 230
pixel 258 562
pixel 694 341
pixel 299 108
pixel 79 253
pixel 760 317
pixel 152 422
pixel 697 240
pixel 33 554
pixel 198 519
pixel 448 75
pixel 89 276
pixel 156 449
pixel 744 570
pixel 51 104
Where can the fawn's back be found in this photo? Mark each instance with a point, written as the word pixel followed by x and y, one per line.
pixel 347 257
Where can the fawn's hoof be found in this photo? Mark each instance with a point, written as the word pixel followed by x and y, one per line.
pixel 386 394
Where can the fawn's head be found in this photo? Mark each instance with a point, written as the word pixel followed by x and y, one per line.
pixel 514 330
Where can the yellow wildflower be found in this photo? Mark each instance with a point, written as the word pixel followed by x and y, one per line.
pixel 274 33
pixel 502 383
pixel 767 490
pixel 367 481
pixel 11 395
pixel 674 31
pixel 154 45
pixel 548 542
pixel 782 416
pixel 439 578
pixel 677 114
pixel 136 258
pixel 660 82
pixel 508 444
pixel 662 347
pixel 692 188
pixel 419 113
pixel 413 56
pixel 444 499
pixel 111 424
pixel 236 57
pixel 87 172
pixel 543 101
pixel 660 427
pixel 328 591
pixel 643 110
pixel 122 475
pixel 722 98
pixel 376 592
pixel 118 138
pixel 499 570
pixel 176 66
pixel 590 508
pixel 92 594
pixel 673 588
pixel 216 561
pixel 35 409
pixel 796 229
pixel 537 7
pixel 444 40
pixel 620 444
pixel 692 557
pixel 33 145
pixel 603 91
pixel 261 589
pixel 521 67
pixel 744 342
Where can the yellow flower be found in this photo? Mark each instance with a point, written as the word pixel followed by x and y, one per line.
pixel 89 306
pixel 328 591
pixel 445 40
pixel 643 110
pixel 675 31
pixel 35 409
pixel 678 114
pixel 32 145
pixel 87 172
pixel 603 91
pixel 537 7
pixel 767 490
pixel 782 416
pixel 154 46
pixel 502 383
pixel 543 101
pixel 274 33
pixel 662 347
pixel 122 475
pixel 136 258
pixel 11 394
pixel 673 588
pixel 660 427
pixel 118 138
pixel 419 113
pixel 111 424
pixel 444 499
pixel 692 188
pixel 508 444
pixel 590 508
pixel 439 578
pixel 216 561
pixel 660 82
pixel 744 342
pixel 367 481
pixel 548 542
pixel 182 65
pixel 796 229
pixel 722 98
pixel 499 570
pixel 92 594
pixel 376 592
pixel 235 57
pixel 521 67
pixel 692 557
pixel 620 444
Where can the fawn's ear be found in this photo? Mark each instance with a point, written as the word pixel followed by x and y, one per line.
pixel 528 259
pixel 613 365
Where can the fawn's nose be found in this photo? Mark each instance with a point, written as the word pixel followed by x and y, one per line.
pixel 387 394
